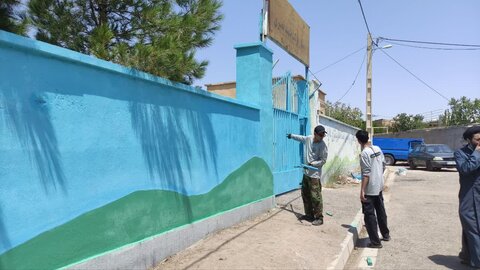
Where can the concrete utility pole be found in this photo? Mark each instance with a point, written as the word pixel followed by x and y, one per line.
pixel 368 112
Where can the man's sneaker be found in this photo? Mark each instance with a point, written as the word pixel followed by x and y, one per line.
pixel 372 245
pixel 307 218
pixel 386 238
pixel 462 256
pixel 317 222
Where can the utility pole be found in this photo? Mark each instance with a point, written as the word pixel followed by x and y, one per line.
pixel 368 112
pixel 264 22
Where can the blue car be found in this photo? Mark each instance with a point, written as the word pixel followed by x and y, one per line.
pixel 431 156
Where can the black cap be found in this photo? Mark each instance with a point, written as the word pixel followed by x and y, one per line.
pixel 320 129
pixel 468 134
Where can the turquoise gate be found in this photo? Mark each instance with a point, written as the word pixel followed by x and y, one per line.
pixel 290 109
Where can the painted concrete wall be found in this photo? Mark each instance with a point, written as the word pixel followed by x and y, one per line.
pixel 343 149
pixel 96 156
pixel 451 136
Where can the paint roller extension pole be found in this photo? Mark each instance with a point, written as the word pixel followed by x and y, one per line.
pixel 305 166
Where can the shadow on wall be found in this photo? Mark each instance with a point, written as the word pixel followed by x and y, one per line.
pixel 168 137
pixel 175 130
pixel 173 126
pixel 4 240
pixel 165 143
pixel 29 120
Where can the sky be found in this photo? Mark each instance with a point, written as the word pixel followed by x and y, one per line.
pixel 337 29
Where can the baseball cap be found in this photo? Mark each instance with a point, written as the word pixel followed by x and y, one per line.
pixel 320 129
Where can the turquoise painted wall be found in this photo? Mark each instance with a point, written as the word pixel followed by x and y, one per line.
pixel 78 133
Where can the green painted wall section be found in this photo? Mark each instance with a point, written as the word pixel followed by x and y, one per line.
pixel 338 166
pixel 137 216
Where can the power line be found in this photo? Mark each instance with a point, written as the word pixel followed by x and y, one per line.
pixel 365 20
pixel 338 61
pixel 437 110
pixel 433 113
pixel 354 80
pixel 318 87
pixel 415 76
pixel 431 42
pixel 436 48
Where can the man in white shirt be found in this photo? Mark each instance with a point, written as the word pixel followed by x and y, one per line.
pixel 372 163
pixel 316 154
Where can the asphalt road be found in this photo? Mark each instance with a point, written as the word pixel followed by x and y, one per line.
pixel 422 209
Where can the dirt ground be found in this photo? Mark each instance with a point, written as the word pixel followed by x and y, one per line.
pixel 423 221
pixel 277 239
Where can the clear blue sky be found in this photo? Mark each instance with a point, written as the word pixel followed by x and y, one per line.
pixel 337 29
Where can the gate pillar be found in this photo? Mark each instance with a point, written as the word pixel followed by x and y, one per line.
pixel 254 85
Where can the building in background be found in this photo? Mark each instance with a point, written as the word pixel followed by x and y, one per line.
pixel 383 123
pixel 383 126
pixel 226 89
pixel 229 89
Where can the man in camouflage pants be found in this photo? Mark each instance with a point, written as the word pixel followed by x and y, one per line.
pixel 316 153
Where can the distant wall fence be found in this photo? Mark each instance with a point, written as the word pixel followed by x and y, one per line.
pixel 451 136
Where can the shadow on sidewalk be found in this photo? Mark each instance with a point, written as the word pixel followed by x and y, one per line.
pixel 362 242
pixel 282 208
pixel 285 208
pixel 352 230
pixel 450 262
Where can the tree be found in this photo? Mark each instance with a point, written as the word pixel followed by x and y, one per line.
pixel 11 19
pixel 344 113
pixel 462 112
pixel 155 36
pixel 404 122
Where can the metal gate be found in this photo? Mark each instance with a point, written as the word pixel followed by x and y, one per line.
pixel 287 154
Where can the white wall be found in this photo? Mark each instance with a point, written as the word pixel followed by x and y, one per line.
pixel 343 148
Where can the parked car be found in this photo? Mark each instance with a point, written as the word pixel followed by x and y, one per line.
pixel 431 156
pixel 395 149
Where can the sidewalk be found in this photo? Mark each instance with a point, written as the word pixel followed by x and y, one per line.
pixel 278 240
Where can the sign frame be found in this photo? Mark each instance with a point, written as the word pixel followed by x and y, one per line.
pixel 287 29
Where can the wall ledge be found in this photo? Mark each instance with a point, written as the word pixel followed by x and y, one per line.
pixel 38 47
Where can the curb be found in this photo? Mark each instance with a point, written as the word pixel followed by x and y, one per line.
pixel 348 243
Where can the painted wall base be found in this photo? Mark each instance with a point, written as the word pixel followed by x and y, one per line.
pixel 148 253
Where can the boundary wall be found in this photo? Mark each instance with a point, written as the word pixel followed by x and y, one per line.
pixel 451 136
pixel 343 148
pixel 104 166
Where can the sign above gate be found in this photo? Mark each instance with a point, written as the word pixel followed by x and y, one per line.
pixel 288 30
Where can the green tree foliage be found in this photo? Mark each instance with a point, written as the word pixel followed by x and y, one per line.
pixel 11 19
pixel 344 113
pixel 463 111
pixel 155 36
pixel 404 122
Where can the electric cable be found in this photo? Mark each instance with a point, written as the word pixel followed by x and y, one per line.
pixel 435 48
pixel 415 76
pixel 340 60
pixel 318 87
pixel 430 42
pixel 437 110
pixel 354 80
pixel 365 20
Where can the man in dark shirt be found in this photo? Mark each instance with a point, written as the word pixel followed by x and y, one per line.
pixel 468 167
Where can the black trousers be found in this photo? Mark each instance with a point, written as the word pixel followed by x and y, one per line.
pixel 374 204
